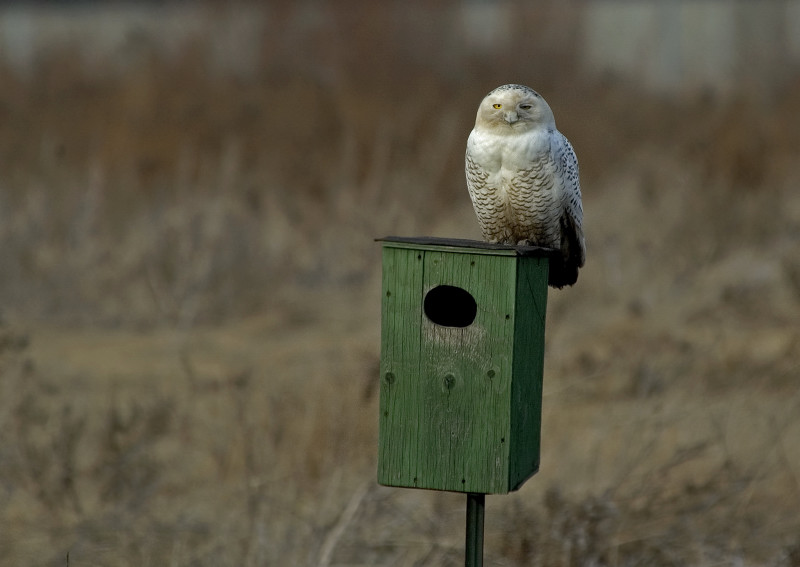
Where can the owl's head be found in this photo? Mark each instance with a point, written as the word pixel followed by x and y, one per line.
pixel 514 108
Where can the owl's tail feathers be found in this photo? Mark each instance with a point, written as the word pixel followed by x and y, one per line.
pixel 564 267
pixel 563 272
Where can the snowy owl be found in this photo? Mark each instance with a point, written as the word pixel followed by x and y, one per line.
pixel 522 176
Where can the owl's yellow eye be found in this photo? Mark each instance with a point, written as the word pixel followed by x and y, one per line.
pixel 525 106
pixel 497 105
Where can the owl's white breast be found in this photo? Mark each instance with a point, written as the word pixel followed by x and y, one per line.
pixel 516 194
pixel 502 155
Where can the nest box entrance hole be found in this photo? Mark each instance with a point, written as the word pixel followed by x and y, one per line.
pixel 450 306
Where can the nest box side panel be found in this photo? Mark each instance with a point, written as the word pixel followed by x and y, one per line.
pixel 465 377
pixel 400 413
pixel 526 397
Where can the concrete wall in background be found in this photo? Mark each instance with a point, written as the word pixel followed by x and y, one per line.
pixel 671 47
pixel 690 46
pixel 111 37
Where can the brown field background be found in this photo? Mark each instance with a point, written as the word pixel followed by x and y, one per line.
pixel 190 318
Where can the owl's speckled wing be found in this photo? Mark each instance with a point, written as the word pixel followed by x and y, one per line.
pixel 573 245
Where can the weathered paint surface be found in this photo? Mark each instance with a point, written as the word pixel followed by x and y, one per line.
pixel 460 407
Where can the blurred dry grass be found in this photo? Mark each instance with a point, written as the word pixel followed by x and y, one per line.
pixel 189 350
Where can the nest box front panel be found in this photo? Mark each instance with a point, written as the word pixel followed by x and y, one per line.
pixel 446 370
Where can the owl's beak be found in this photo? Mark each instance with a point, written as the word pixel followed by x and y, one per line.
pixel 511 117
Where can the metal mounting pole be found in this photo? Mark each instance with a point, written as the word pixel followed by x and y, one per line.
pixel 476 505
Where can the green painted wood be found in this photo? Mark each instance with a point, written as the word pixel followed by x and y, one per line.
pixel 526 392
pixel 400 420
pixel 467 440
pixel 465 245
pixel 455 250
pixel 460 407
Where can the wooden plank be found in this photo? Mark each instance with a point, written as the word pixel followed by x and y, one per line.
pixel 451 249
pixel 399 420
pixel 460 245
pixel 526 393
pixel 466 374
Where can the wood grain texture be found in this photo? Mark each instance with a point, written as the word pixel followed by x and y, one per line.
pixel 526 395
pixel 455 409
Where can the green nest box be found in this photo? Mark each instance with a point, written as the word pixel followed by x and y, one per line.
pixel 462 351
